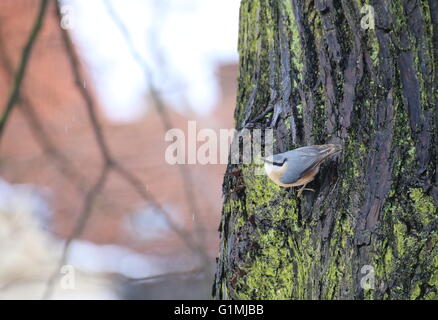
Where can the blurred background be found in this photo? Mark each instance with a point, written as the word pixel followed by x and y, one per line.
pixel 89 208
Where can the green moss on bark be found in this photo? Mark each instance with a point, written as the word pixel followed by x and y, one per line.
pixel 373 206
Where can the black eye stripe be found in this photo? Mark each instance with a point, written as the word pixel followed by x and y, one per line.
pixel 275 163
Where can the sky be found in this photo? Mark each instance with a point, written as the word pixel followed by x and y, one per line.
pixel 181 41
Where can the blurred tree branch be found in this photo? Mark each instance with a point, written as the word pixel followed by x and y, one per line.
pixel 109 163
pixel 169 275
pixel 21 71
pixel 39 132
pixel 81 223
pixel 164 116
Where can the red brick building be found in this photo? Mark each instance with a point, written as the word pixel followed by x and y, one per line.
pixel 139 146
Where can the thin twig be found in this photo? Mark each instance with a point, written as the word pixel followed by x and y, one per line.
pixel 35 124
pixel 109 164
pixel 15 90
pixel 164 116
pixel 86 95
pixel 178 274
pixel 102 144
pixel 79 227
pixel 142 191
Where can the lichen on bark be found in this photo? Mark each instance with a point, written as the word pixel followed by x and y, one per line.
pixel 309 71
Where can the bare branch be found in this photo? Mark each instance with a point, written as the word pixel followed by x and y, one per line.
pixel 148 197
pixel 35 124
pixel 106 154
pixel 164 116
pixel 86 95
pixel 109 164
pixel 169 275
pixel 15 90
pixel 79 227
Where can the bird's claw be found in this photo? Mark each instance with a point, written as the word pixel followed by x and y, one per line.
pixel 302 189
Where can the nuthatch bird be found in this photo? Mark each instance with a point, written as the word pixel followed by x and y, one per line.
pixel 298 167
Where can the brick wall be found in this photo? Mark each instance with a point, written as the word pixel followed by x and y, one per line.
pixel 139 146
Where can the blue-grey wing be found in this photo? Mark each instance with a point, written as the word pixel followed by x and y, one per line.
pixel 300 161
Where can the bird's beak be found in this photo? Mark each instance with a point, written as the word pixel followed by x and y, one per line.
pixel 271 161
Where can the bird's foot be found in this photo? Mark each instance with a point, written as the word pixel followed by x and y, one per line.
pixel 302 189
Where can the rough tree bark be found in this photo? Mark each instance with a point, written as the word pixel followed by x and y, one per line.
pixel 310 71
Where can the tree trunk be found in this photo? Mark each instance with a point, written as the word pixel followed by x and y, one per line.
pixel 311 71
